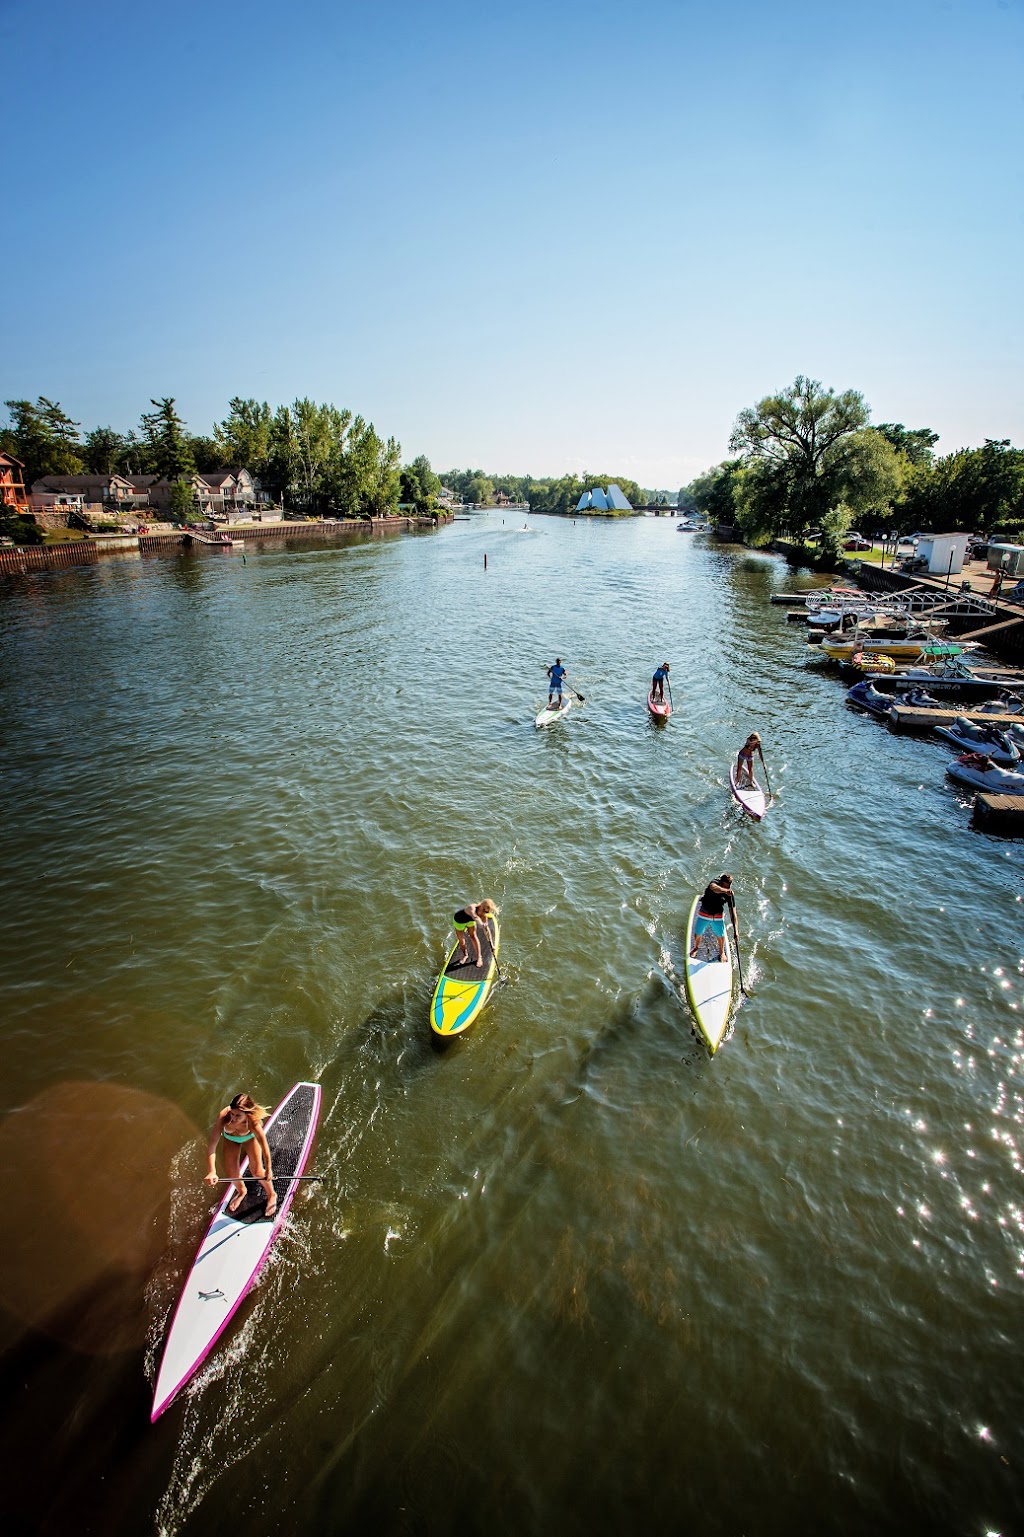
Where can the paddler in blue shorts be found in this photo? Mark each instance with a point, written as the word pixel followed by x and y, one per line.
pixel 711 914
pixel 556 673
pixel 658 682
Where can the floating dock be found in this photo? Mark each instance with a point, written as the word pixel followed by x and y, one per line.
pixel 1002 814
pixel 909 717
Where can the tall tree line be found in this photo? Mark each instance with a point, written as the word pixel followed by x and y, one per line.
pixel 315 457
pixel 808 463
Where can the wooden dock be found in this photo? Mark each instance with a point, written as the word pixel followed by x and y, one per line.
pixel 1003 814
pixel 908 717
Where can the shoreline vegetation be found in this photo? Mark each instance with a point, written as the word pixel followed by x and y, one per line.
pixel 809 467
pixel 308 458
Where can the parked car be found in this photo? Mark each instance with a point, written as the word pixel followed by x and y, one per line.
pixel 856 542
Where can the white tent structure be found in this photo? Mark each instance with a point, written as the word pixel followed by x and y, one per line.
pixel 598 500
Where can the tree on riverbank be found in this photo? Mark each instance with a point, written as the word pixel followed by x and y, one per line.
pixel 43 437
pixel 166 442
pixel 975 489
pixel 418 485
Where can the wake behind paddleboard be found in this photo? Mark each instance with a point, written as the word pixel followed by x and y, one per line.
pixel 463 988
pixel 235 1247
pixel 547 715
pixel 708 983
pixel 752 798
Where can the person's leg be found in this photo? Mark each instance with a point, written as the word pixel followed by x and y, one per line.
pixel 476 946
pixel 256 1167
pixel 460 935
pixel 232 1164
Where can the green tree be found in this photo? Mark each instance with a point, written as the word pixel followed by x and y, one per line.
pixel 104 451
pixel 971 489
pixel 164 433
pixel 915 442
pixel 206 454
pixel 796 445
pixel 418 484
pixel 182 501
pixel 714 492
pixel 44 438
pixel 246 436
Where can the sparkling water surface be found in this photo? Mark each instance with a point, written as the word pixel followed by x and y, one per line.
pixel 567 1273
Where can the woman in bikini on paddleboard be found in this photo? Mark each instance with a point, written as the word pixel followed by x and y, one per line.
pixel 239 1127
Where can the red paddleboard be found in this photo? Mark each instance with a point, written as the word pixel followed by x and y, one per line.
pixel 659 708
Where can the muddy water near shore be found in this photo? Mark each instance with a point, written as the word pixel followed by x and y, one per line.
pixel 568 1273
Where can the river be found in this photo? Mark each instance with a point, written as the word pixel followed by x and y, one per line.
pixel 569 1274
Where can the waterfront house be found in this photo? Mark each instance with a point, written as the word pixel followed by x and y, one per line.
pixel 109 492
pixel 232 492
pixel 12 485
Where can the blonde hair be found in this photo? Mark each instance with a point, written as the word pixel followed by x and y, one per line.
pixel 486 906
pixel 755 736
pixel 248 1106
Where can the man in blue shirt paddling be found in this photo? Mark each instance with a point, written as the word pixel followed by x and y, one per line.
pixel 556 673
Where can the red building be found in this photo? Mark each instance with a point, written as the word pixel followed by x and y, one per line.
pixel 12 487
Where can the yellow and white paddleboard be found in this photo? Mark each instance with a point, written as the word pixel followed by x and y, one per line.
pixel 464 987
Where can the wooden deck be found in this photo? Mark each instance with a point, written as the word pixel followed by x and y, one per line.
pixel 1000 814
pixel 908 717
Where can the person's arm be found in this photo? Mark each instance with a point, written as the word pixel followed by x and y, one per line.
pixel 261 1138
pixel 210 1177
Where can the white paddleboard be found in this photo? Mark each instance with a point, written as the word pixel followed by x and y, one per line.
pixel 546 716
pixel 231 1254
pixel 709 983
pixel 752 800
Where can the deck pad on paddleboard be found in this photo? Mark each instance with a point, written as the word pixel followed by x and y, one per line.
pixel 661 709
pixel 463 987
pixel 235 1247
pixel 548 714
pixel 708 982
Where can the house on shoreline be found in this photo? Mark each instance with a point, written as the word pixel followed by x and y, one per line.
pixel 219 494
pixel 12 485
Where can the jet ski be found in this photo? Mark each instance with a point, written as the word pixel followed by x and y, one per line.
pixel 987 740
pixel 867 697
pixel 978 772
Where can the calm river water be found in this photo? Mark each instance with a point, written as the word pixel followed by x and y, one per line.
pixel 569 1275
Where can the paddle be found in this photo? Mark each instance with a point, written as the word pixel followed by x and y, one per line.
pixel 671 701
pixel 252 1179
pixel 736 938
pixel 570 688
pixel 764 765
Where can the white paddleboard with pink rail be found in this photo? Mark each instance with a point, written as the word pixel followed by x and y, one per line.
pixel 751 797
pixel 233 1251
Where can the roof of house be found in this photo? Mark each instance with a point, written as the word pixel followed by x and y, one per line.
pixel 142 482
pixel 11 459
pixel 217 477
pixel 77 482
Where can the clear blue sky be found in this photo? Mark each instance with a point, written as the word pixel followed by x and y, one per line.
pixel 540 236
